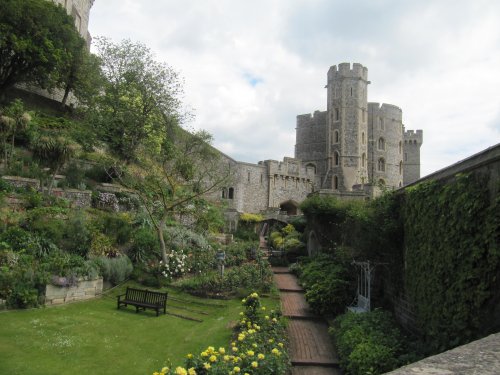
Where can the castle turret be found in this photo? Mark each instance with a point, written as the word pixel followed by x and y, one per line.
pixel 411 155
pixel 347 130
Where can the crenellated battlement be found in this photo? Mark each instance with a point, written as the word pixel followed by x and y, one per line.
pixel 345 70
pixel 414 135
pixel 309 119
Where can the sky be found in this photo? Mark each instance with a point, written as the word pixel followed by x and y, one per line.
pixel 250 67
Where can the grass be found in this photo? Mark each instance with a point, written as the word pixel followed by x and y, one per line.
pixel 93 337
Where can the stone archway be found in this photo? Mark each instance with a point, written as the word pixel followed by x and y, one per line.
pixel 291 207
pixel 313 245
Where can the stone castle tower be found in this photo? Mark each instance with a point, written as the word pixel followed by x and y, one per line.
pixel 355 145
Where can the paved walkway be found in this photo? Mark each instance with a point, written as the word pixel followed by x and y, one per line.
pixel 311 350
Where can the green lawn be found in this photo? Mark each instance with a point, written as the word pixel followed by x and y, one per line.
pixel 95 338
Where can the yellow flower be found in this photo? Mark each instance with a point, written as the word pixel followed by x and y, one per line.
pixel 261 356
pixel 235 349
pixel 236 369
pixel 275 351
pixel 189 356
pixel 204 354
pixel 266 317
pixel 233 344
pixel 206 366
pixel 280 344
pixel 254 345
pixel 255 364
pixel 180 371
pixel 236 359
pixel 225 358
pixel 275 320
pixel 156 373
pixel 192 371
pixel 270 341
pixel 164 369
pixel 254 295
pixel 250 352
pixel 263 308
pixel 243 300
pixel 222 350
pixel 241 313
pixel 212 358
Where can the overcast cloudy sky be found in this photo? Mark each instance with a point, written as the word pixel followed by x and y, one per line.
pixel 250 67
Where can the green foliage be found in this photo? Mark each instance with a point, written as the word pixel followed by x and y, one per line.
pixel 367 343
pixel 48 222
pixel 115 270
pixel 101 245
pixel 78 234
pixel 251 218
pixel 75 176
pixel 452 256
pixel 38 39
pixel 328 284
pixel 144 245
pixel 117 226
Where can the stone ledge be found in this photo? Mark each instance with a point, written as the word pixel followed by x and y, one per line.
pixel 478 357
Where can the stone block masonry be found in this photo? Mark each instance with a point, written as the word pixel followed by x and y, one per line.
pixel 84 290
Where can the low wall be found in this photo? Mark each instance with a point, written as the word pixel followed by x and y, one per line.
pixel 86 289
pixel 478 357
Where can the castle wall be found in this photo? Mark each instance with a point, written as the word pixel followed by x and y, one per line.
pixel 411 156
pixel 80 11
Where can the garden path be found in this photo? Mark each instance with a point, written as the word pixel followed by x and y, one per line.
pixel 311 350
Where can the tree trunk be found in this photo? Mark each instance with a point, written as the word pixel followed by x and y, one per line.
pixel 49 190
pixel 163 247
pixel 65 97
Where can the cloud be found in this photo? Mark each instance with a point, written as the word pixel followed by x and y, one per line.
pixel 251 67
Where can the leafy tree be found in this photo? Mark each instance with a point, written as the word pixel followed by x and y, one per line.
pixel 139 97
pixel 175 179
pixel 38 41
pixel 53 151
pixel 12 120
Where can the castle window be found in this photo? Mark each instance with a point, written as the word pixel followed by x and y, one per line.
pixel 363 138
pixel 337 114
pixel 400 167
pixel 231 193
pixel 400 147
pixel 336 158
pixel 335 182
pixel 336 136
pixel 224 193
pixel 381 165
pixel 261 178
pixel 363 114
pixel 248 177
pixel 351 91
pixel 381 143
pixel 363 159
pixel 381 123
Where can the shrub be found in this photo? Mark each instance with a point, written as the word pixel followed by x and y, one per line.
pixel 115 270
pixel 145 245
pixel 75 176
pixel 368 343
pixel 101 245
pixel 16 238
pixel 77 235
pixel 328 284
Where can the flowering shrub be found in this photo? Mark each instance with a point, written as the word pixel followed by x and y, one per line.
pixel 257 348
pixel 176 265
pixel 107 201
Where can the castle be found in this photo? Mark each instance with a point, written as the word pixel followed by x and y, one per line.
pixel 354 150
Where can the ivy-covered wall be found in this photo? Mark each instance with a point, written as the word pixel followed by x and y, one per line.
pixel 436 244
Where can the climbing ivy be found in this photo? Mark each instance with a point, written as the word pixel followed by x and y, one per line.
pixel 452 257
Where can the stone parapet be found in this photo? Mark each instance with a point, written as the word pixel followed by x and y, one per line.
pixel 85 289
pixel 478 357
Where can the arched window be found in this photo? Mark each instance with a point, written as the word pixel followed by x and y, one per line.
pixel 311 165
pixel 381 182
pixel 381 123
pixel 336 158
pixel 231 193
pixel 335 183
pixel 381 143
pixel 337 114
pixel 336 136
pixel 400 147
pixel 363 160
pixel 223 193
pixel 381 165
pixel 401 167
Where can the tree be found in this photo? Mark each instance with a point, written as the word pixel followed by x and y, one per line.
pixel 53 151
pixel 38 41
pixel 176 178
pixel 138 97
pixel 12 120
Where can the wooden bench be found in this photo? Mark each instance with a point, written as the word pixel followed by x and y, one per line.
pixel 143 299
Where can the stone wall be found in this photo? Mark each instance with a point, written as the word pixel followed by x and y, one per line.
pixel 411 156
pixel 478 357
pixel 85 289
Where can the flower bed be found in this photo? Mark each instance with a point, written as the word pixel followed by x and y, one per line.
pixel 258 347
